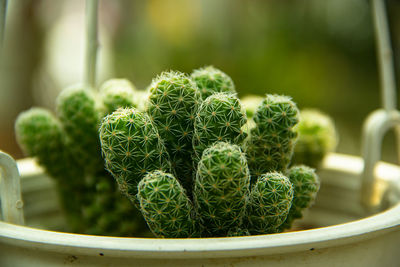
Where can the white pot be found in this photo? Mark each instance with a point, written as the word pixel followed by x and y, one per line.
pixel 341 234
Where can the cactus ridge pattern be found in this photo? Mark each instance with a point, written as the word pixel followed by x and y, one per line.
pixel 131 147
pixel 211 80
pixel 79 113
pixel 317 137
pixel 117 93
pixel 219 118
pixel 221 188
pixel 165 206
pixel 271 143
pixel 270 201
pixel 305 185
pixel 172 105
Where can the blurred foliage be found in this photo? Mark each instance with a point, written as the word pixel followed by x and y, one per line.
pixel 322 53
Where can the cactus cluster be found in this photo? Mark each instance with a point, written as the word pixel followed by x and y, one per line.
pixel 183 158
pixel 209 176
pixel 66 144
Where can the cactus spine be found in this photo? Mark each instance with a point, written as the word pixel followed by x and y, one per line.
pixel 270 201
pixel 271 143
pixel 219 118
pixel 305 185
pixel 172 106
pixel 165 206
pixel 211 80
pixel 131 147
pixel 317 137
pixel 221 188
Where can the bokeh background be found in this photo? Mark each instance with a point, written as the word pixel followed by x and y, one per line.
pixel 322 53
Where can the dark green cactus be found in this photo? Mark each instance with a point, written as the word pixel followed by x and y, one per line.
pixel 305 185
pixel 238 232
pixel 165 206
pixel 271 143
pixel 219 118
pixel 221 188
pixel 317 137
pixel 79 113
pixel 269 203
pixel 117 93
pixel 172 105
pixel 131 147
pixel 211 80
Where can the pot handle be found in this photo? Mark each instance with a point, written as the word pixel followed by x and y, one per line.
pixel 10 190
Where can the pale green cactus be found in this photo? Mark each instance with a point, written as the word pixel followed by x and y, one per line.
pixel 172 105
pixel 271 143
pixel 269 204
pixel 221 188
pixel 211 80
pixel 317 137
pixel 131 148
pixel 165 206
pixel 220 118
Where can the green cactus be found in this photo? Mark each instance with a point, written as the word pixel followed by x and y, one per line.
pixel 79 112
pixel 269 203
pixel 165 206
pixel 172 105
pixel 131 147
pixel 305 185
pixel 271 143
pixel 220 118
pixel 317 137
pixel 211 80
pixel 117 93
pixel 40 134
pixel 221 188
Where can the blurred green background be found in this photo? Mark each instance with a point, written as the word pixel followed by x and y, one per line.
pixel 322 53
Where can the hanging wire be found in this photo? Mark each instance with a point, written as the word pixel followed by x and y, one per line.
pixel 92 43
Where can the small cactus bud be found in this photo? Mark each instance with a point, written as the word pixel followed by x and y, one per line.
pixel 172 105
pixel 131 148
pixel 117 93
pixel 271 142
pixel 221 188
pixel 317 137
pixel 305 185
pixel 211 80
pixel 250 104
pixel 270 201
pixel 165 206
pixel 219 118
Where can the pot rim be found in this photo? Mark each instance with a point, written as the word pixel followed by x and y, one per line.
pixel 313 239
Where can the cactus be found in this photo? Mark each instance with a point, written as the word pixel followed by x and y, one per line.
pixel 305 185
pixel 165 206
pixel 317 137
pixel 221 188
pixel 79 112
pixel 271 143
pixel 237 232
pixel 211 80
pixel 269 203
pixel 131 147
pixel 117 93
pixel 172 106
pixel 219 118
